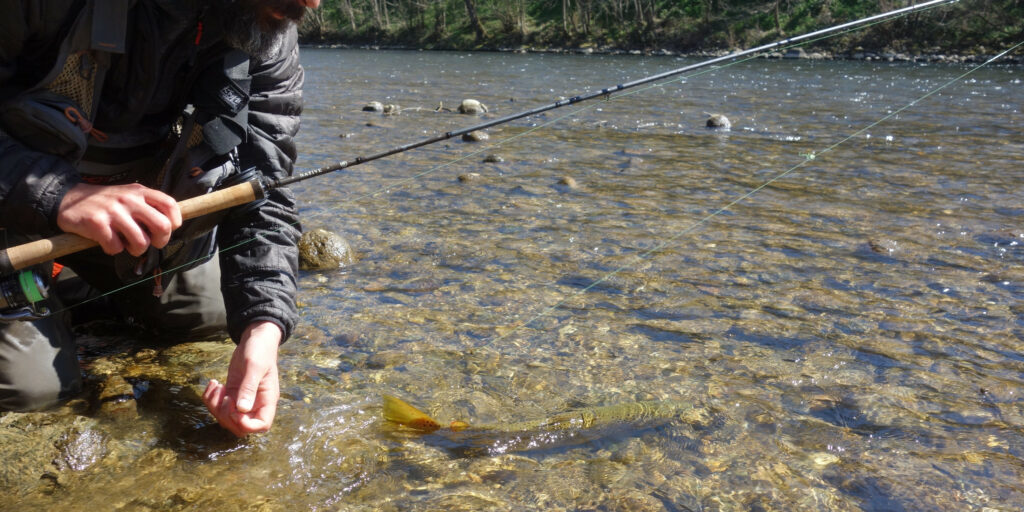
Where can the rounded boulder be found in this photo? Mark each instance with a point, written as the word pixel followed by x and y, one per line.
pixel 320 249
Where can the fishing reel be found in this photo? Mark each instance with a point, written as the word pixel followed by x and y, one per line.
pixel 22 297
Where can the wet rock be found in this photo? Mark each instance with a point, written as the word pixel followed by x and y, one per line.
pixel 392 110
pixel 117 399
pixel 883 245
pixel 80 449
pixel 493 159
pixel 718 122
pixel 32 446
pixel 469 177
pixel 631 499
pixel 795 53
pixel 320 249
pixel 373 106
pixel 604 472
pixel 633 162
pixel 475 136
pixel 568 182
pixel 386 359
pixel 472 107
pixel 178 365
pixel 415 285
pixel 527 191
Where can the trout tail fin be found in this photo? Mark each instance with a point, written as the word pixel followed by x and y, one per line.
pixel 398 411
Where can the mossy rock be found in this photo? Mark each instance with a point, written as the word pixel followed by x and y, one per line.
pixel 320 249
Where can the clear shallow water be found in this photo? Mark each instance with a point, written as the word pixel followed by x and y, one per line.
pixel 851 333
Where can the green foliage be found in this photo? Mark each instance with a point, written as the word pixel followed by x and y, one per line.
pixel 683 25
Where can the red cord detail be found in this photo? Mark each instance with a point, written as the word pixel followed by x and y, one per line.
pixel 76 117
pixel 158 282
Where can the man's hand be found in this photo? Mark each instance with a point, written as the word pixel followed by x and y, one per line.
pixel 119 217
pixel 248 402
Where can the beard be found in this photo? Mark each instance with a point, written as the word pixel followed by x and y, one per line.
pixel 258 27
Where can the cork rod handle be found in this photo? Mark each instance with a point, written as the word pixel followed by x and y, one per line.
pixel 26 255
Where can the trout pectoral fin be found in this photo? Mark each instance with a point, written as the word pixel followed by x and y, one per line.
pixel 398 411
pixel 458 425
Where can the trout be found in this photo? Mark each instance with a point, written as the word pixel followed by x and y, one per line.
pixel 566 428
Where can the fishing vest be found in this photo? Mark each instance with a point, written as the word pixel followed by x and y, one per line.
pixel 189 157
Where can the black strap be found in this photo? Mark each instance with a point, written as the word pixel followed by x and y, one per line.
pixel 222 101
pixel 110 25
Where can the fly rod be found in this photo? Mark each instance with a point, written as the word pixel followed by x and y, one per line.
pixel 25 255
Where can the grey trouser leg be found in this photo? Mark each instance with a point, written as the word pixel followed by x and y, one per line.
pixel 38 364
pixel 38 360
pixel 190 307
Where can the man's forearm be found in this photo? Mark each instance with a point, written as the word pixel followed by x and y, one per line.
pixel 32 186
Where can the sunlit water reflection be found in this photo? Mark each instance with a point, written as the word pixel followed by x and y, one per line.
pixel 852 330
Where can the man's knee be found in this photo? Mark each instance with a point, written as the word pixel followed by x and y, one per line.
pixel 192 305
pixel 34 396
pixel 38 365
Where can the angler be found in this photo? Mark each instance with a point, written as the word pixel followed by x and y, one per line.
pixel 110 112
pixel 566 428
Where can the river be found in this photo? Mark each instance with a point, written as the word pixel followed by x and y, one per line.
pixel 835 285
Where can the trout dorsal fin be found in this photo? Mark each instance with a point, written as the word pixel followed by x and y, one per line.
pixel 398 411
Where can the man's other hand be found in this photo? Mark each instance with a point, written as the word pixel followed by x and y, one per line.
pixel 119 217
pixel 247 403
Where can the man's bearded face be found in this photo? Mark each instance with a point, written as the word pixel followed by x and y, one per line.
pixel 257 27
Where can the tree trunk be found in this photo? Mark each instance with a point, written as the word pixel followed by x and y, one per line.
pixel 441 19
pixel 375 7
pixel 522 18
pixel 778 22
pixel 347 4
pixel 474 21
pixel 565 16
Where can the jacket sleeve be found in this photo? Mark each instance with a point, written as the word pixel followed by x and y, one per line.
pixel 259 258
pixel 32 184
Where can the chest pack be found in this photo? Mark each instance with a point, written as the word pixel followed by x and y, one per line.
pixel 191 156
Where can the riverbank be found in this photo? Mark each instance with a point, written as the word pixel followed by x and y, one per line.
pixel 792 53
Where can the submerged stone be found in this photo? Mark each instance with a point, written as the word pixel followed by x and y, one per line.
pixel 373 106
pixel 39 449
pixel 320 249
pixel 117 399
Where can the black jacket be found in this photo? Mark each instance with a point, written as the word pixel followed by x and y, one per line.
pixel 147 88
